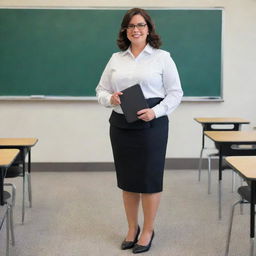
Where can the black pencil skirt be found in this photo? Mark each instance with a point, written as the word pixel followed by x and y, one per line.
pixel 139 154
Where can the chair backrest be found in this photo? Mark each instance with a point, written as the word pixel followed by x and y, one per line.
pixel 14 171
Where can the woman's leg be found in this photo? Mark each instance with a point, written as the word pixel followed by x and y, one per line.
pixel 131 205
pixel 150 203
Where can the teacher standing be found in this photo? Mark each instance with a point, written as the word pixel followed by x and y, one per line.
pixel 139 148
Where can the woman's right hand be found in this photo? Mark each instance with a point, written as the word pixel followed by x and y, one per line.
pixel 115 99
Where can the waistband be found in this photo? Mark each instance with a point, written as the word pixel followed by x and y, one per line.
pixel 118 120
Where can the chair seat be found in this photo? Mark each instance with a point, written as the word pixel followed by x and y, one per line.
pixel 245 193
pixel 224 164
pixel 7 195
pixel 214 154
pixel 14 171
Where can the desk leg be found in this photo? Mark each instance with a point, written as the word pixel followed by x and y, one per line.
pixel 233 181
pixel 200 164
pixel 220 208
pixel 7 230
pixel 252 216
pixel 2 172
pixel 252 247
pixel 201 155
pixel 29 179
pixel 209 175
pixel 24 180
pixel 220 182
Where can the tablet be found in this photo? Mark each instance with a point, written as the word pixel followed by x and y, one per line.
pixel 132 100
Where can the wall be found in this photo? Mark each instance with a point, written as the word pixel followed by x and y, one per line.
pixel 78 131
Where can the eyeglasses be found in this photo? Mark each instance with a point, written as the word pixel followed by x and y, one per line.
pixel 139 26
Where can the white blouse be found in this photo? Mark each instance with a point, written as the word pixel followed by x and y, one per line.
pixel 153 69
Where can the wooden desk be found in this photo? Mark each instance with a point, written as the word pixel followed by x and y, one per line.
pixel 7 157
pixel 246 167
pixel 24 145
pixel 208 125
pixel 229 144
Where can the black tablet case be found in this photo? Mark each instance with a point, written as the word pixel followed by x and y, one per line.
pixel 132 100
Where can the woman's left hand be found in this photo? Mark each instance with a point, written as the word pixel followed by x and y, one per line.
pixel 146 114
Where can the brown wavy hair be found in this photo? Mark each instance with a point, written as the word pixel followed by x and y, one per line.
pixel 153 38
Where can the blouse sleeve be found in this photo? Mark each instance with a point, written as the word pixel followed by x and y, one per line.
pixel 172 86
pixel 104 89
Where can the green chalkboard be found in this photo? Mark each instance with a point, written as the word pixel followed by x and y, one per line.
pixel 62 52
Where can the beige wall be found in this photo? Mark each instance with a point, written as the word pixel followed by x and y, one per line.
pixel 78 131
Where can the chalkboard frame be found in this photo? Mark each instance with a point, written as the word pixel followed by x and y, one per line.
pixel 93 98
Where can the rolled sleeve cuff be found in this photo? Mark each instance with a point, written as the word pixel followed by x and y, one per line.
pixel 104 100
pixel 159 111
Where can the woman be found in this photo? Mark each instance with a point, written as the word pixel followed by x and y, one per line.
pixel 139 148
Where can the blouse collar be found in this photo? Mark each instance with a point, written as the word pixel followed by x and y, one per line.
pixel 148 49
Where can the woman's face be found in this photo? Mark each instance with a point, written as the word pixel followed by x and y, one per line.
pixel 137 34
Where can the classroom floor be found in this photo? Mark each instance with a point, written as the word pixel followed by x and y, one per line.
pixel 81 214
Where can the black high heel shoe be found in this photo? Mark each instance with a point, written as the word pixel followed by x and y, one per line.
pixel 141 248
pixel 129 244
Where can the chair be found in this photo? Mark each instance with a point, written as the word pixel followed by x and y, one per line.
pixel 237 150
pixel 201 158
pixel 16 170
pixel 214 126
pixel 9 200
pixel 5 216
pixel 224 167
pixel 209 157
pixel 245 193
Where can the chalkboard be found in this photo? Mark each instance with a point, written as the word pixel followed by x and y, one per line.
pixel 62 52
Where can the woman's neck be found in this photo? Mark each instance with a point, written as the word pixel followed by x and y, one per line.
pixel 137 49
